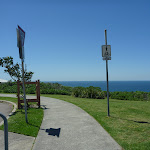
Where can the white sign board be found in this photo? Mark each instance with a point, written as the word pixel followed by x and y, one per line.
pixel 107 58
pixel 106 52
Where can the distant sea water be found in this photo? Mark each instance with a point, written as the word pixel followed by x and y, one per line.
pixel 113 85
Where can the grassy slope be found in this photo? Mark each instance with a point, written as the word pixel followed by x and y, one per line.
pixel 123 125
pixel 17 124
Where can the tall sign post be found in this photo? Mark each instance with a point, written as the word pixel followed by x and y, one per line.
pixel 106 54
pixel 20 44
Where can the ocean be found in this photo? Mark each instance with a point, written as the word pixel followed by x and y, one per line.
pixel 113 85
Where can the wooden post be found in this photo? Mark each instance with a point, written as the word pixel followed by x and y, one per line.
pixel 18 85
pixel 38 93
pixel 37 83
pixel 37 90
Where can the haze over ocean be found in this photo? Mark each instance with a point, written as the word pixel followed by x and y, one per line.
pixel 113 85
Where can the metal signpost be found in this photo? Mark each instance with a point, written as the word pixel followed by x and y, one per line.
pixel 20 44
pixel 106 54
pixel 5 130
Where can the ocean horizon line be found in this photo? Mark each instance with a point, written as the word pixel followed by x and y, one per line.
pixel 133 85
pixel 100 81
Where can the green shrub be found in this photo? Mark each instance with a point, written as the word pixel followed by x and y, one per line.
pixel 136 96
pixel 30 90
pixel 78 91
pixel 88 92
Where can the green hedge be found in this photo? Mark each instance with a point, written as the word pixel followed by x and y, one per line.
pixel 136 96
pixel 88 92
pixel 45 88
pixel 82 92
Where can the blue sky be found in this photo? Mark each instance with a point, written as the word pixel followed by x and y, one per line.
pixel 63 39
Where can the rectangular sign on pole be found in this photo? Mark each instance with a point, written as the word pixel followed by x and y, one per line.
pixel 20 41
pixel 106 52
pixel 22 35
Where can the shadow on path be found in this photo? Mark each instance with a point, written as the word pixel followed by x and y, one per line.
pixel 53 132
pixel 131 120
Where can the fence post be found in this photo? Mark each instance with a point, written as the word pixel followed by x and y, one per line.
pixel 5 131
pixel 18 85
pixel 39 93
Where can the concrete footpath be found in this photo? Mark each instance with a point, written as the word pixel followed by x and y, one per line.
pixel 5 109
pixel 17 141
pixel 67 127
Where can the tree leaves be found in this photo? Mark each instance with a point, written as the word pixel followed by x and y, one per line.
pixel 14 70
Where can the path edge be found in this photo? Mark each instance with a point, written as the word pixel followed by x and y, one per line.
pixel 13 111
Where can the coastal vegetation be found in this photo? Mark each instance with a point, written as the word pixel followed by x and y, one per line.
pixel 88 92
pixel 82 92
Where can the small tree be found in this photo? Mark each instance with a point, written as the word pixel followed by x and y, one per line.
pixel 14 70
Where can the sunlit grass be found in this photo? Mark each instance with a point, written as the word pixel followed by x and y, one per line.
pixel 129 121
pixel 17 123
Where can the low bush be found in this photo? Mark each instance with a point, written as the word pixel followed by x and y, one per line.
pixel 136 96
pixel 54 88
pixel 88 92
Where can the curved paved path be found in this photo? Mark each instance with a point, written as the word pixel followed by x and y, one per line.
pixel 5 109
pixel 67 127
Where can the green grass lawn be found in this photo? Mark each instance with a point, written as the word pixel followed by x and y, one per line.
pixel 12 99
pixel 17 124
pixel 129 121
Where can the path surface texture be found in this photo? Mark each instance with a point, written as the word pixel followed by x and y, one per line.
pixel 67 127
pixel 17 141
pixel 5 109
